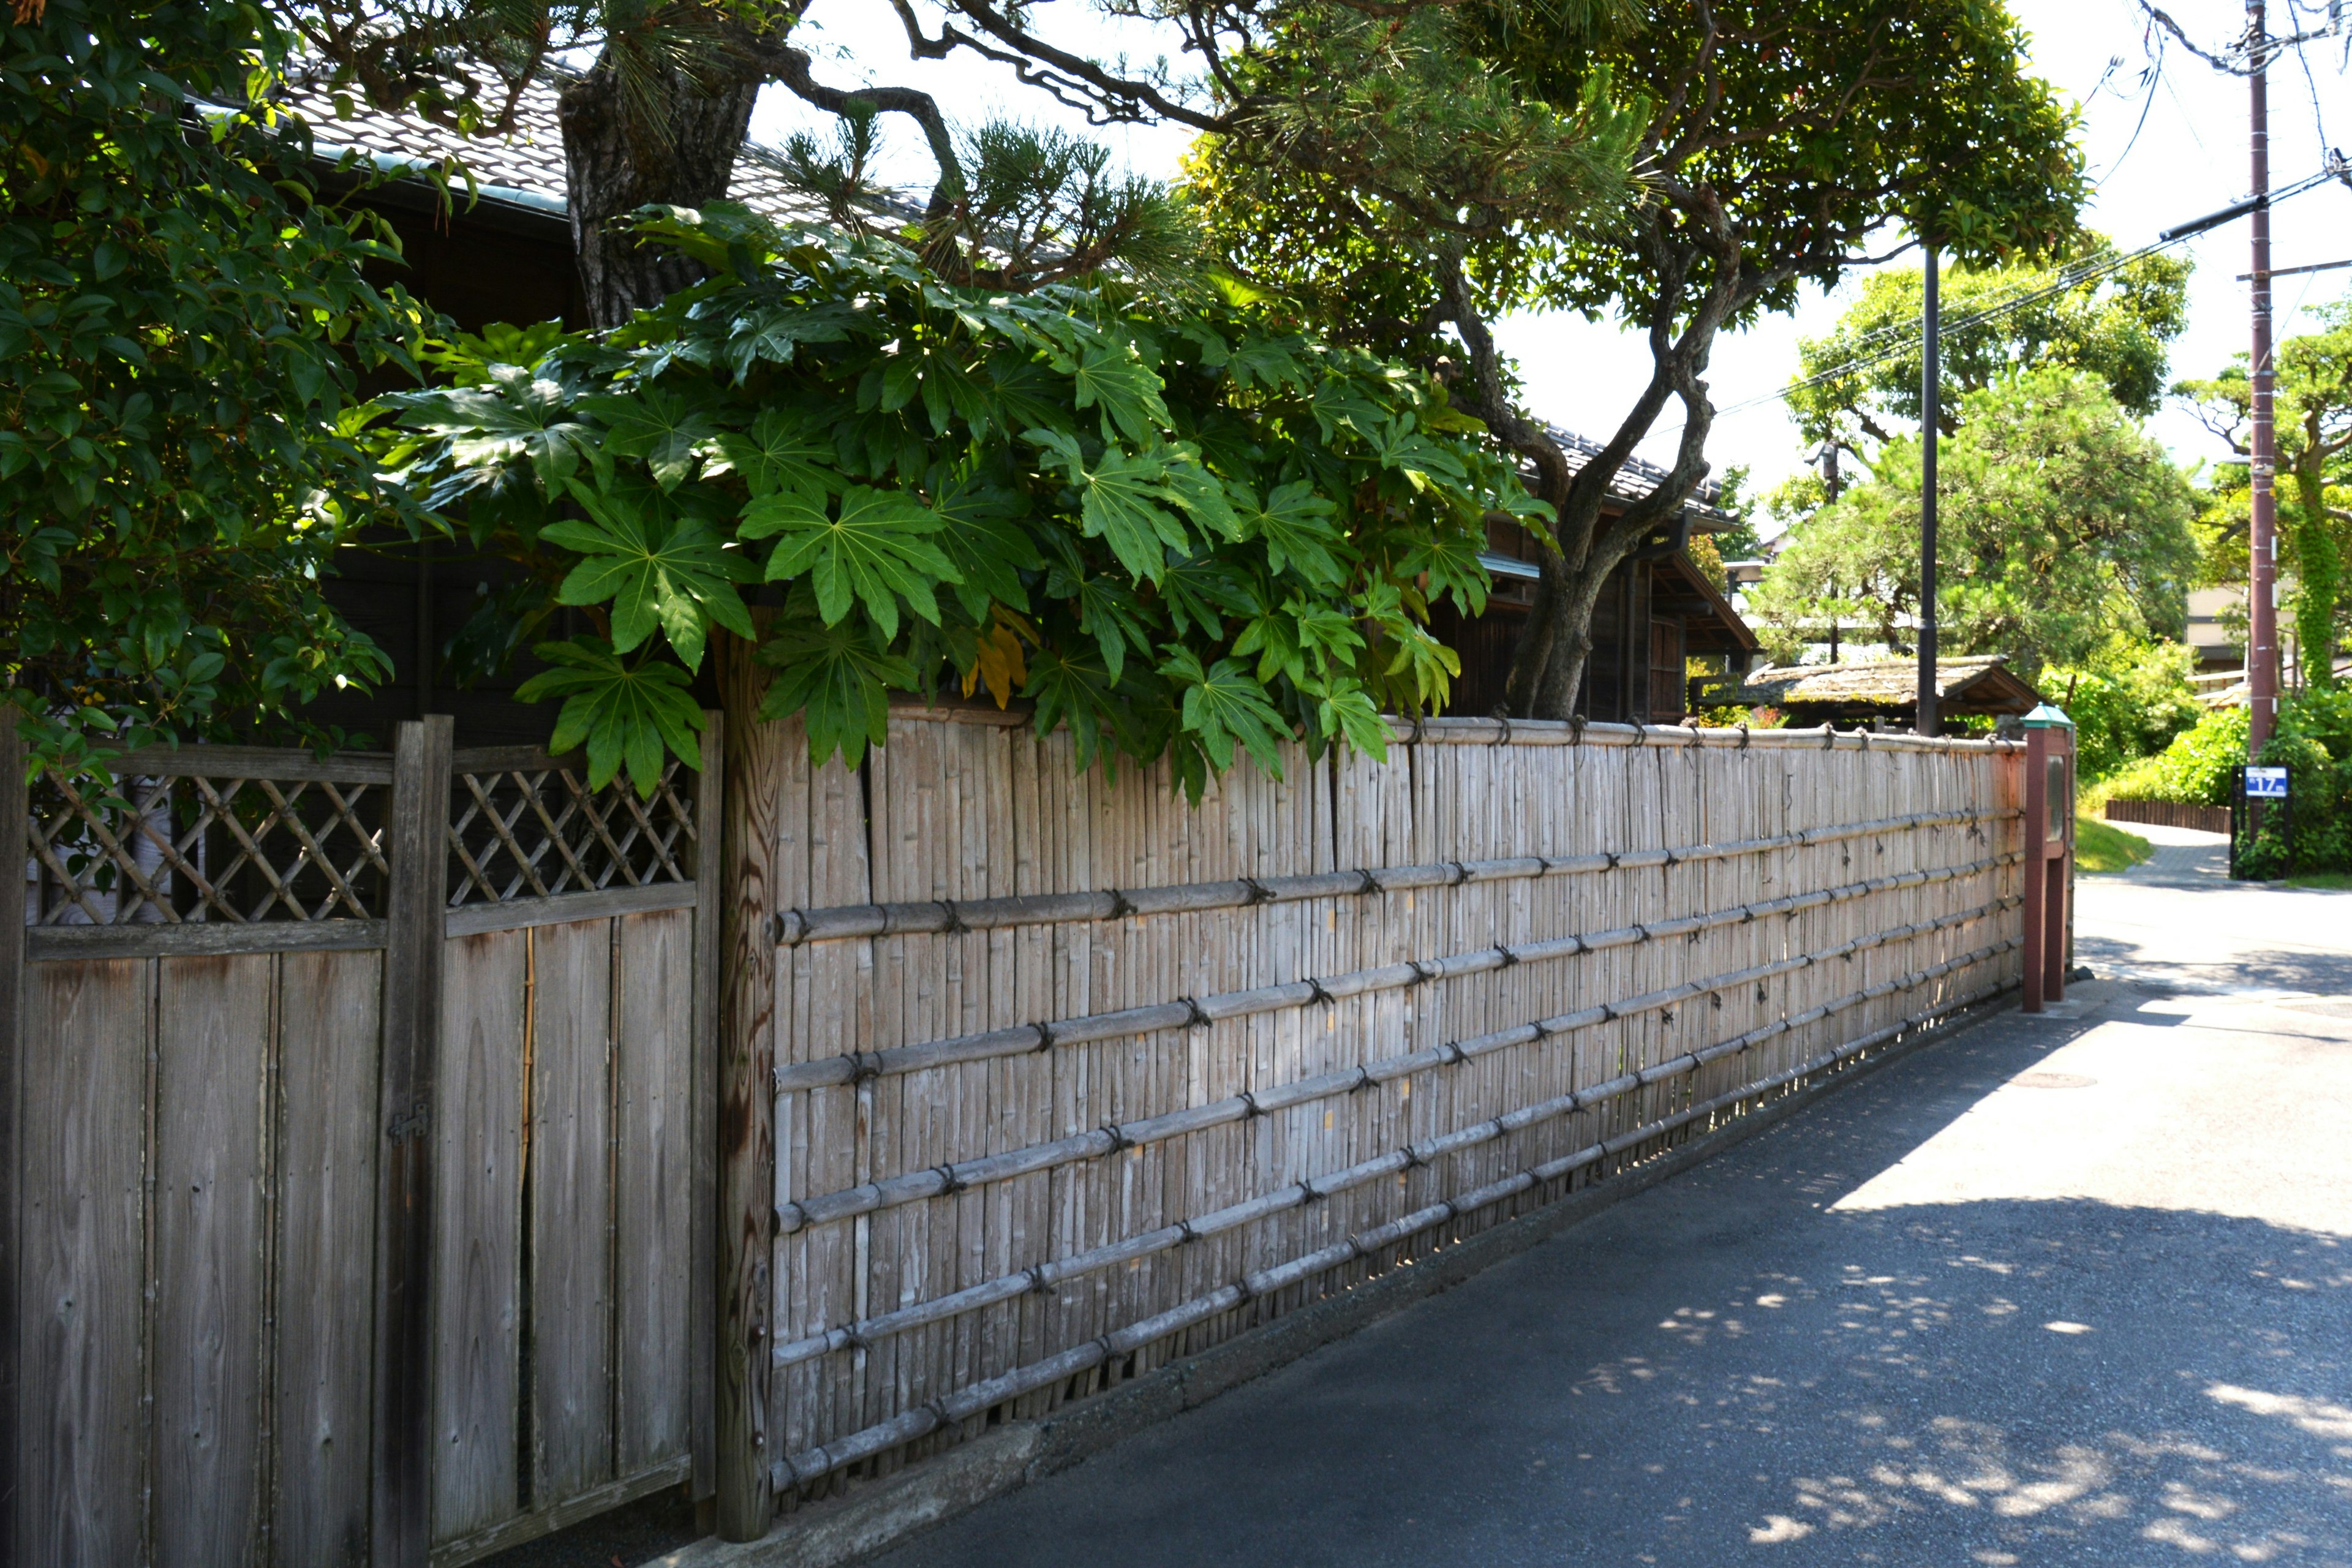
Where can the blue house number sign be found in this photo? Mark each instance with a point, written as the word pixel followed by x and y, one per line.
pixel 2265 783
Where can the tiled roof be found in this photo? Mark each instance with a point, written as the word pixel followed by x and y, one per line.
pixel 1983 682
pixel 524 166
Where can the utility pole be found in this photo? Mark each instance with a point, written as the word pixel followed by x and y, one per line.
pixel 1930 386
pixel 2261 610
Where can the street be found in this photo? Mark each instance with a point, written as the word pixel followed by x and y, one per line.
pixel 2066 1291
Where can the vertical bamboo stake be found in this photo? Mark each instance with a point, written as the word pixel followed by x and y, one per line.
pixel 747 1147
pixel 416 845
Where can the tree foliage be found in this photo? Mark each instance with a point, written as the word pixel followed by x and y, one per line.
pixel 1172 524
pixel 180 327
pixel 2116 326
pixel 2313 403
pixel 2061 526
pixel 1767 144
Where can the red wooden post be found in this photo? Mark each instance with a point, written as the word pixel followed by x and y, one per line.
pixel 2048 852
pixel 2037 879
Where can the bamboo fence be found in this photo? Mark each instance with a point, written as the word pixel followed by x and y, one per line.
pixel 1068 1078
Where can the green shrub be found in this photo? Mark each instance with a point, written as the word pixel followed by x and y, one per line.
pixel 2128 701
pixel 2197 769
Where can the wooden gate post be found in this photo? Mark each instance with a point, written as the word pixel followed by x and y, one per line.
pixel 14 808
pixel 709 920
pixel 746 1140
pixel 416 844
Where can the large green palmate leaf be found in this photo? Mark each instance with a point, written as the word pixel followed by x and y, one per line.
pixel 782 452
pixel 874 550
pixel 672 573
pixel 1110 376
pixel 519 416
pixel 1124 499
pixel 1295 525
pixel 623 713
pixel 656 425
pixel 839 677
pixel 1225 707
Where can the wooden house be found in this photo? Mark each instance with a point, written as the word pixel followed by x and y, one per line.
pixel 1657 611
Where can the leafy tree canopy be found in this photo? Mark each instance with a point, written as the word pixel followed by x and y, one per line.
pixel 1861 383
pixel 2313 405
pixel 1765 145
pixel 180 328
pixel 2061 525
pixel 1175 525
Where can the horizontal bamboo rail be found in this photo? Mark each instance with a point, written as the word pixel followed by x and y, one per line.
pixel 940 1180
pixel 797 927
pixel 1046 1276
pixel 1021 1039
pixel 977 1399
pixel 1067 1068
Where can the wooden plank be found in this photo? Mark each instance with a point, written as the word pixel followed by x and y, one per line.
pixel 747 1147
pixel 531 1526
pixel 329 1034
pixel 514 914
pixel 415 836
pixel 477 1264
pixel 570 1297
pixel 212 1058
pixel 82 1463
pixel 654 1244
pixel 14 815
pixel 254 763
pixel 702 1135
pixel 202 939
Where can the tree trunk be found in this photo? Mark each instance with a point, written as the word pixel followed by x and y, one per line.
pixel 614 165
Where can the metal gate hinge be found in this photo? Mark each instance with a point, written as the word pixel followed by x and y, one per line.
pixel 411 1125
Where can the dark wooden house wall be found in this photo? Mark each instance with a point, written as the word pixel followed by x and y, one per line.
pixel 491 261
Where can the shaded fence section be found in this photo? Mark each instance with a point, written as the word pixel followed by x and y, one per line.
pixel 357 1148
pixel 2170 813
pixel 1069 1078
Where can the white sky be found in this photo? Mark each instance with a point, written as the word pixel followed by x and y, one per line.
pixel 2190 159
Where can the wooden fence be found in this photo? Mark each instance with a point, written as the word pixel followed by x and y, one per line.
pixel 2170 813
pixel 394 1174
pixel 1062 1079
pixel 359 1188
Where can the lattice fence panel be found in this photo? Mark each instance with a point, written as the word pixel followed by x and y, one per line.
pixel 179 849
pixel 537 830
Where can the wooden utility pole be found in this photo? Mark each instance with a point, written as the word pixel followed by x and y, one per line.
pixel 1930 396
pixel 2261 610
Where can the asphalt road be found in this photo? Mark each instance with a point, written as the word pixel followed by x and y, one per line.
pixel 2067 1292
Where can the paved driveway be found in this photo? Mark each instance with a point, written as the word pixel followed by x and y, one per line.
pixel 2071 1291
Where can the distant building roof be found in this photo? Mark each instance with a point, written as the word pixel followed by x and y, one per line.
pixel 1882 687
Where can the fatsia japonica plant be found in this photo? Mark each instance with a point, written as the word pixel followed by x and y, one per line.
pixel 1167 521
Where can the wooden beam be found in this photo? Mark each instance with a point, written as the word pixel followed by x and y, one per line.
pixel 13 809
pixel 203 938
pixel 709 920
pixel 416 839
pixel 562 909
pixel 746 1108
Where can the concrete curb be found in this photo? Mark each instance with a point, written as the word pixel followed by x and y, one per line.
pixel 877 1518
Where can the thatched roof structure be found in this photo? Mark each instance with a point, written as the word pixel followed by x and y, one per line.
pixel 1882 689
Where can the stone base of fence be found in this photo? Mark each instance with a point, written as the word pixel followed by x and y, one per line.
pixel 2170 813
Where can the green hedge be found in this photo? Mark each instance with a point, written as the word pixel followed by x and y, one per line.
pixel 2313 742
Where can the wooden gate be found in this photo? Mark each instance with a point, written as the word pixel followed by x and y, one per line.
pixel 355 1115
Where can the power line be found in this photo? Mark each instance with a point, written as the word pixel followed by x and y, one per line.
pixel 2072 278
